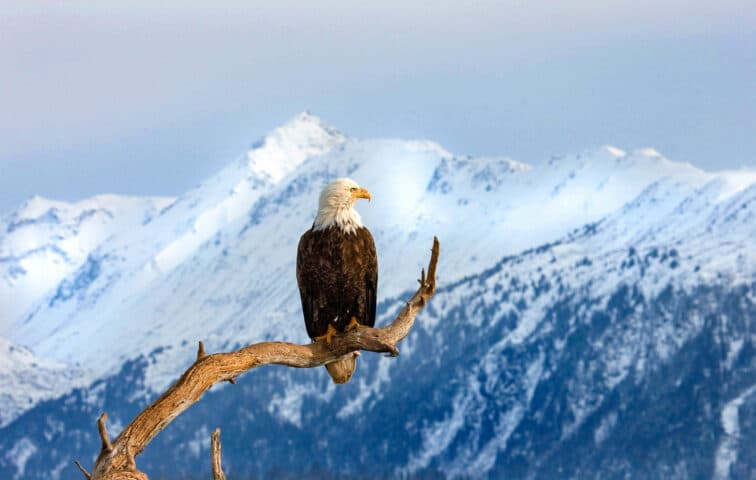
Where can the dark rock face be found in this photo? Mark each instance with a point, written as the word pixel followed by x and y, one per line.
pixel 520 371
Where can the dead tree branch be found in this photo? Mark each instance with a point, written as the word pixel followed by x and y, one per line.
pixel 83 470
pixel 116 459
pixel 106 445
pixel 215 455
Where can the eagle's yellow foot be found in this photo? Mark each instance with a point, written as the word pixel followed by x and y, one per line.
pixel 328 337
pixel 353 324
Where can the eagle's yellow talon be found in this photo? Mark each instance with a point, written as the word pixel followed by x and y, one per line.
pixel 328 337
pixel 354 323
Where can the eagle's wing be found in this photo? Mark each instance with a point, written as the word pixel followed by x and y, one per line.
pixel 308 281
pixel 371 276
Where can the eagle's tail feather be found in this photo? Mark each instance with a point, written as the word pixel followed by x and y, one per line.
pixel 341 370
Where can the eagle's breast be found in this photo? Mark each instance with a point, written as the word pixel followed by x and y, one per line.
pixel 337 273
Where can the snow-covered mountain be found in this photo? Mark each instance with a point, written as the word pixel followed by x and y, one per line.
pixel 44 241
pixel 26 380
pixel 571 290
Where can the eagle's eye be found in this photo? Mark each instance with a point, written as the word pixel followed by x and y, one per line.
pixel 353 189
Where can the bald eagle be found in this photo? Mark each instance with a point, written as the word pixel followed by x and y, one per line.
pixel 337 271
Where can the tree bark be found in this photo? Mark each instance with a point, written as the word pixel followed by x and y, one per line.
pixel 116 458
pixel 215 455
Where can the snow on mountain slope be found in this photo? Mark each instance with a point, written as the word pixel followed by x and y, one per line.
pixel 594 318
pixel 44 241
pixel 218 264
pixel 224 198
pixel 727 453
pixel 27 380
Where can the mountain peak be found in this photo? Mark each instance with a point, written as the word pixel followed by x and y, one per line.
pixel 305 116
pixel 37 205
pixel 311 125
pixel 285 148
pixel 307 126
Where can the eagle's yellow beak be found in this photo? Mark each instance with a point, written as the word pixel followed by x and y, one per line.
pixel 361 193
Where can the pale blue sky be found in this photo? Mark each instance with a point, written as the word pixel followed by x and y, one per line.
pixel 138 99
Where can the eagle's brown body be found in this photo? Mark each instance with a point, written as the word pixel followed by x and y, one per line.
pixel 337 273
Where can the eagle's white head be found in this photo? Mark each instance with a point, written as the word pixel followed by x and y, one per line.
pixel 337 206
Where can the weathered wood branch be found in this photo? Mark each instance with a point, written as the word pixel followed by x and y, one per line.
pixel 215 455
pixel 106 445
pixel 116 459
pixel 83 470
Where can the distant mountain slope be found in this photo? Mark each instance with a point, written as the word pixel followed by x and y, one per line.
pixel 45 240
pixel 594 319
pixel 27 380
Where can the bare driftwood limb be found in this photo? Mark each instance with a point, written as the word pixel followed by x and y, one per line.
pixel 106 445
pixel 116 459
pixel 83 470
pixel 215 455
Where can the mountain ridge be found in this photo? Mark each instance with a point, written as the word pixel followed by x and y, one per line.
pixel 219 205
